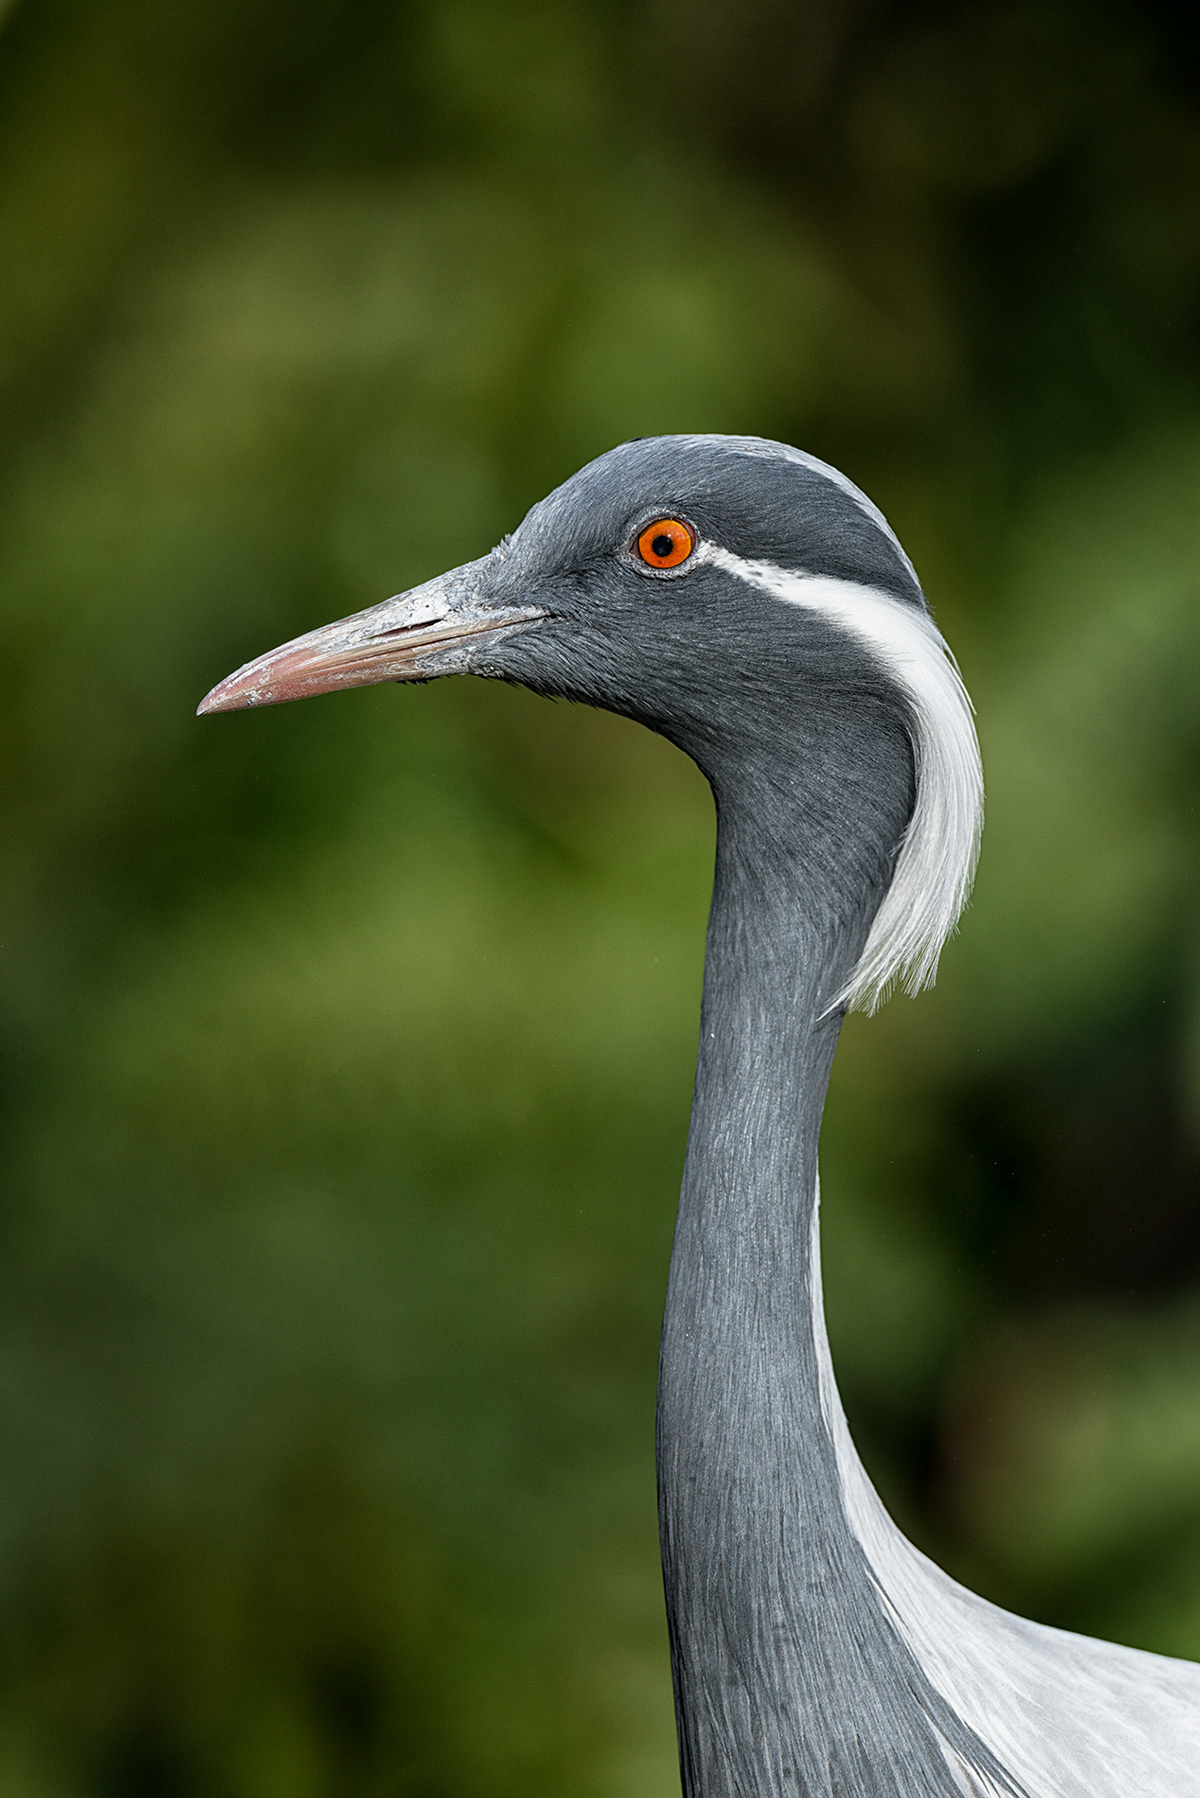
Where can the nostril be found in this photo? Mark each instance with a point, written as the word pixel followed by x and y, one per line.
pixel 419 624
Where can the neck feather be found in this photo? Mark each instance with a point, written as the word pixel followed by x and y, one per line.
pixel 791 1674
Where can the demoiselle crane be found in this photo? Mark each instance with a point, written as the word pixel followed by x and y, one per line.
pixel 752 605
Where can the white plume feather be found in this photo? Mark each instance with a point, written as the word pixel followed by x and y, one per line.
pixel 937 856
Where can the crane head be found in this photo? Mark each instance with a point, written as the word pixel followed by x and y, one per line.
pixel 748 602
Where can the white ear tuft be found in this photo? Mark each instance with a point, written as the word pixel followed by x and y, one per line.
pixel 936 863
pixel 936 860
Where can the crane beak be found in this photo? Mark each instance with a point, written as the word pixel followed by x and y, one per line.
pixel 430 630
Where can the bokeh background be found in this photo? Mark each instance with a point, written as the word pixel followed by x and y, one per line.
pixel 347 1047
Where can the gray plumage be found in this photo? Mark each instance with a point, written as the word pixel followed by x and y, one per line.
pixel 791 654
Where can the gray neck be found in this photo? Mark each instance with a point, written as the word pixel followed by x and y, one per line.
pixel 790 1676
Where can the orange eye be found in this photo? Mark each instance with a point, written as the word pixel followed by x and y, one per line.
pixel 665 543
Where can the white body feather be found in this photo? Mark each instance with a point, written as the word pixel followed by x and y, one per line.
pixel 1068 1716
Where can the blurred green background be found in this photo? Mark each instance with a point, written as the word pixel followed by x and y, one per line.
pixel 347 1047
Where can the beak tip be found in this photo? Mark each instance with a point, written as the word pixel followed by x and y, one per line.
pixel 229 695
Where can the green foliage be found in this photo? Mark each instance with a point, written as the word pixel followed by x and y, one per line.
pixel 346 1048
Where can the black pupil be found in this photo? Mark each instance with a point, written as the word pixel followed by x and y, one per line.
pixel 662 545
